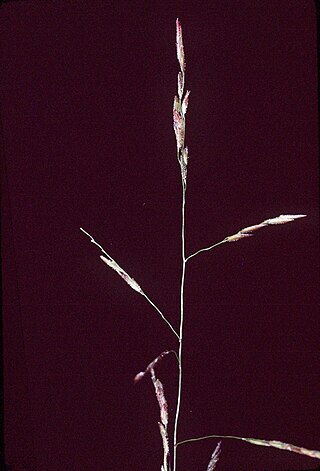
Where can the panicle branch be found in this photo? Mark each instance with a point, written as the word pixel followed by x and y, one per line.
pixel 257 441
pixel 108 260
pixel 248 231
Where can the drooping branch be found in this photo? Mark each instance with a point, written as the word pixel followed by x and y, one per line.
pixel 108 260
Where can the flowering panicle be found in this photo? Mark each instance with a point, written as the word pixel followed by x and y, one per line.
pixel 180 106
pixel 247 231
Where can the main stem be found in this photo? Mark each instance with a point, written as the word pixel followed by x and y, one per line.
pixel 181 325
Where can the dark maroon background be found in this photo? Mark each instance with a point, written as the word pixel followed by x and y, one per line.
pixel 87 92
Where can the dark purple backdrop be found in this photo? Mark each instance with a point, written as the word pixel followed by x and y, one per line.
pixel 87 93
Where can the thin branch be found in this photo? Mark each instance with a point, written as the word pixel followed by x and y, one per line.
pixel 257 441
pixel 161 314
pixel 96 243
pixel 131 282
pixel 206 248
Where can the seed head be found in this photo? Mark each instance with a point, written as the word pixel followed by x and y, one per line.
pixel 185 103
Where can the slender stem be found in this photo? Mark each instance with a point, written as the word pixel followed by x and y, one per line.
pixel 206 248
pixel 181 326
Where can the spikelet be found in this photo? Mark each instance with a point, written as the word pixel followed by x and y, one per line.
pixel 180 85
pixel 178 126
pixel 163 405
pixel 253 228
pixel 214 458
pixel 183 164
pixel 236 237
pixel 179 44
pixel 284 218
pixel 165 445
pixel 185 156
pixel 283 446
pixel 131 282
pixel 176 105
pixel 185 103
pixel 163 424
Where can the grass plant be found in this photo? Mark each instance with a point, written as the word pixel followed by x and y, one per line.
pixel 180 107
